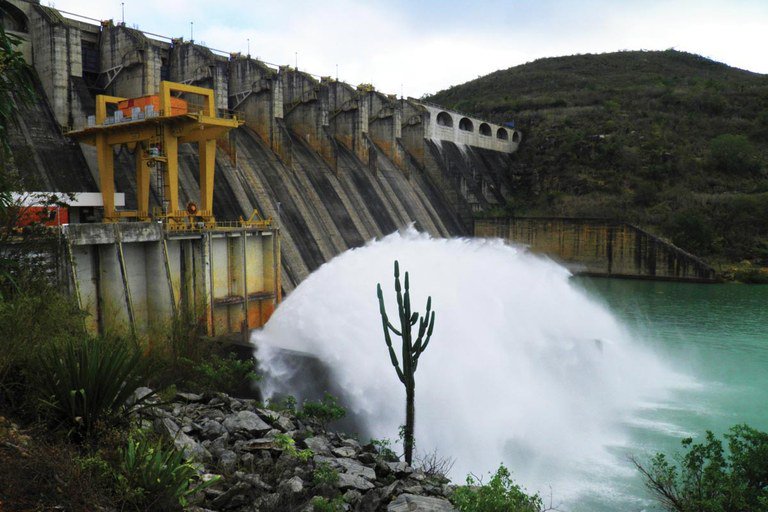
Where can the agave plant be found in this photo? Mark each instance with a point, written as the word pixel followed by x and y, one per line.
pixel 85 381
pixel 154 475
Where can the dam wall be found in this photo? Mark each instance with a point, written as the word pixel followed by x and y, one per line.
pixel 599 247
pixel 334 165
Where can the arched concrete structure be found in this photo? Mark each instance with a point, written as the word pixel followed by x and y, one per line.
pixel 431 122
pixel 466 125
pixel 13 19
pixel 445 119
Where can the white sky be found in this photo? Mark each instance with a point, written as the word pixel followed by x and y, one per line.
pixel 423 46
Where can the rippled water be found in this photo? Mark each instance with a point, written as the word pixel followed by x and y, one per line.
pixel 718 335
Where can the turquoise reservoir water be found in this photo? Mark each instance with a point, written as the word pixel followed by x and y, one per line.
pixel 718 335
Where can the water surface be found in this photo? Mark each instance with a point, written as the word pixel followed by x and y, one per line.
pixel 717 334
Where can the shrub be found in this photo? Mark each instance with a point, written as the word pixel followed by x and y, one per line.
pixel 733 154
pixel 434 465
pixel 325 476
pixel 288 445
pixel 500 494
pixel 154 475
pixel 186 359
pixel 219 373
pixel 29 324
pixel 691 230
pixel 384 448
pixel 321 504
pixel 323 411
pixel 706 478
pixel 86 381
pixel 284 404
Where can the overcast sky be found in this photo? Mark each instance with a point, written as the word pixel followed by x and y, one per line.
pixel 423 46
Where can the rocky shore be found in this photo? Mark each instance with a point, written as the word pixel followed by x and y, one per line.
pixel 275 461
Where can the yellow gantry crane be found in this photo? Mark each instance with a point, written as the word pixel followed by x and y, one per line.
pixel 153 127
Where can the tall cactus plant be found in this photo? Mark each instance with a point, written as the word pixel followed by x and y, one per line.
pixel 411 350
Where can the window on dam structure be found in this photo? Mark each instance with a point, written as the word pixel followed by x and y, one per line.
pixel 485 129
pixel 444 119
pixel 516 137
pixel 466 125
pixel 502 134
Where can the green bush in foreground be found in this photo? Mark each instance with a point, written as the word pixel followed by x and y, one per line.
pixel 154 475
pixel 323 411
pixel 707 478
pixel 86 381
pixel 500 494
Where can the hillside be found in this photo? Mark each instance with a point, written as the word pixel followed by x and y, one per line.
pixel 669 140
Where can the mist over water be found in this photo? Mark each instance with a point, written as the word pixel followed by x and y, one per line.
pixel 523 367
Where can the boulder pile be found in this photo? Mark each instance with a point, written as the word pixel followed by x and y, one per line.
pixel 275 461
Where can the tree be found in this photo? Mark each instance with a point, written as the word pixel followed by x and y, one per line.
pixel 733 154
pixel 411 351
pixel 707 478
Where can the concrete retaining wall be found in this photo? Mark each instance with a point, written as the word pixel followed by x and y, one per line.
pixel 136 277
pixel 599 247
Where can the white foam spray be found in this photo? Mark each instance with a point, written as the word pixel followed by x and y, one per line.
pixel 522 368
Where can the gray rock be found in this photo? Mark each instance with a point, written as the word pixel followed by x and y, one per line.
pixel 139 394
pixel 182 441
pixel 413 503
pixel 389 492
pixel 252 445
pixel 190 397
pixel 166 426
pixel 254 481
pixel 211 429
pixel 370 503
pixel 400 468
pixel 344 451
pixel 227 461
pixel 353 443
pixel 413 489
pixel 191 448
pixel 348 481
pixel 234 497
pixel 246 421
pixel 352 496
pixel 319 445
pixel 353 467
pixel 293 485
pixel 285 424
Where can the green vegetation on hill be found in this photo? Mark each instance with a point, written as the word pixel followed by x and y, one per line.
pixel 669 140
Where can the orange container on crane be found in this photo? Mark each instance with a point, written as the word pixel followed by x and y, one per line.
pixel 178 106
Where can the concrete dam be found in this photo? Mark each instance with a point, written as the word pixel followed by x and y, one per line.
pixel 331 164
pixel 325 165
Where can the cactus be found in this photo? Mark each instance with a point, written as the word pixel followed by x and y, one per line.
pixel 411 351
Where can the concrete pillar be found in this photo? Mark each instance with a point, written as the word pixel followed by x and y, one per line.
pixel 348 116
pixel 306 112
pixel 256 91
pixel 197 65
pixel 137 63
pixel 385 127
